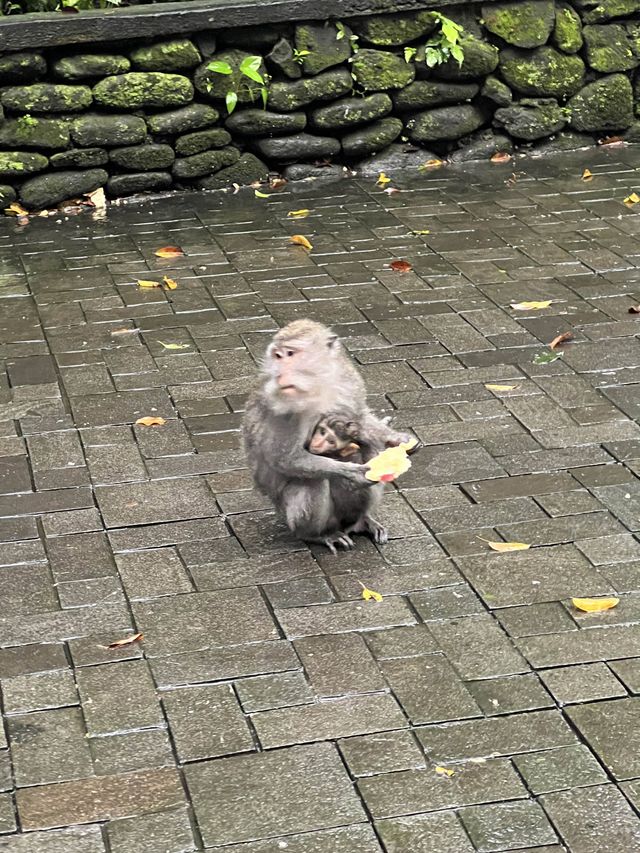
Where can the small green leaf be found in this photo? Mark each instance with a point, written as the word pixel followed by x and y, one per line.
pixel 457 53
pixel 252 74
pixel 231 99
pixel 409 53
pixel 546 357
pixel 341 31
pixel 220 67
pixel 264 94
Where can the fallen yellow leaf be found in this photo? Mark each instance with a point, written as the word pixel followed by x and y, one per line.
pixel 501 387
pixel 298 214
pixel 174 346
pixel 383 179
pixel 300 240
pixel 369 594
pixel 634 198
pixel 431 164
pixel 126 641
pixel 505 547
pixel 169 252
pixel 389 464
pixel 16 209
pixel 530 306
pixel 594 605
pixel 98 199
pixel 143 283
pixel 587 176
pixel 420 233
pixel 170 283
pixel 444 771
pixel 258 194
pixel 149 421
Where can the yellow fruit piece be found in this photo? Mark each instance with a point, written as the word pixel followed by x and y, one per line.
pixel 444 771
pixel 150 421
pixel 594 605
pixel 298 214
pixel 530 306
pixel 383 179
pixel 143 283
pixel 301 240
pixel 500 387
pixel 170 283
pixel 389 464
pixel 634 198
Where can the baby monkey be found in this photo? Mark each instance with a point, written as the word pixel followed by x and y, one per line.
pixel 338 435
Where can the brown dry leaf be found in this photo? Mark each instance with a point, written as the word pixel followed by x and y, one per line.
pixel 632 199
pixel 125 331
pixel 611 140
pixel 125 641
pixel 383 180
pixel 149 421
pixel 277 182
pixel 561 339
pixel 587 176
pixel 301 240
pixel 501 387
pixel 401 266
pixel 635 309
pixel 594 605
pixel 298 214
pixel 530 306
pixel 170 283
pixel 16 209
pixel 174 346
pixel 143 283
pixel 169 252
pixel 98 199
pixel 444 771
pixel 369 594
pixel 506 547
pixel 501 157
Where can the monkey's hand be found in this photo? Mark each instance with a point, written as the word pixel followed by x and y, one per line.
pixel 356 474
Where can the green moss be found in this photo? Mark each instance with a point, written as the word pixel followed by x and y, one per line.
pixel 88 65
pixel 609 48
pixel 46 98
pixel 322 46
pixel 525 23
pixel 166 55
pixel 214 85
pixel 372 138
pixel 597 11
pixel 542 72
pixel 606 104
pixel 480 59
pixel 290 96
pixel 378 70
pixel 532 119
pixel 143 89
pixel 567 35
pixel 16 164
pixel 44 134
pixel 394 30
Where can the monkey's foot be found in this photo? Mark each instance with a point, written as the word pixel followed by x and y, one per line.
pixel 341 539
pixel 369 525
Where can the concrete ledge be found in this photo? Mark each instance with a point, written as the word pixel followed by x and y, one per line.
pixel 53 28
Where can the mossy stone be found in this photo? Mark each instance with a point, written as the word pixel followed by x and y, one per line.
pixel 372 138
pixel 326 46
pixel 432 93
pixel 171 55
pixel 299 146
pixel 606 104
pixel 19 164
pixel 243 172
pixel 143 158
pixel 609 48
pixel 567 33
pixel 394 159
pixel 351 112
pixel 86 65
pixel 54 187
pixel 109 131
pixel 445 123
pixel 140 182
pixel 482 146
pixel 206 163
pixel 255 122
pixel 282 58
pixel 393 30
pixel 46 98
pixel 38 133
pixel 201 140
pixel 193 117
pixel 524 23
pixel 22 67
pixel 291 95
pixel 597 11
pixel 79 158
pixel 543 72
pixel 531 119
pixel 380 70
pixel 7 195
pixel 496 91
pixel 480 59
pixel 632 135
pixel 143 89
pixel 214 85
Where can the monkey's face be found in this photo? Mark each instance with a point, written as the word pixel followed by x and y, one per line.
pixel 298 371
pixel 324 441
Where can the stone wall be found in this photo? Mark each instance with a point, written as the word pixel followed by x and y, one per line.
pixel 145 115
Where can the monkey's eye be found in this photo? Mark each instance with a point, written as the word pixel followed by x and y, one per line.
pixel 290 352
pixel 277 355
pixel 331 442
pixel 322 431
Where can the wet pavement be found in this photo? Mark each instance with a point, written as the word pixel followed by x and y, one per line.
pixel 267 706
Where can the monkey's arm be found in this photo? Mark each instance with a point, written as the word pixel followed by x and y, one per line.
pixel 301 463
pixel 377 431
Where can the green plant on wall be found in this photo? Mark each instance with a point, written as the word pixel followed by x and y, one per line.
pixel 299 55
pixel 342 33
pixel 249 68
pixel 445 43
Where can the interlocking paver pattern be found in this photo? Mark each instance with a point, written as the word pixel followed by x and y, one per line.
pixel 268 706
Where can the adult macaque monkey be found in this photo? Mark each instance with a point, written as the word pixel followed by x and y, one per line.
pixel 306 374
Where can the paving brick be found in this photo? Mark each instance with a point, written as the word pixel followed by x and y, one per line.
pixel 117 697
pixel 477 647
pixel 510 694
pixel 513 824
pixel 149 574
pixel 131 751
pixel 425 832
pixel 38 691
pixel 339 664
pixel 81 839
pixel 169 831
pixel 265 692
pixel 144 503
pixel 610 729
pixel 311 776
pixel 345 616
pixel 559 769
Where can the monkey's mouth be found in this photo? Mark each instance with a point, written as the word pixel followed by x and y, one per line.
pixel 288 389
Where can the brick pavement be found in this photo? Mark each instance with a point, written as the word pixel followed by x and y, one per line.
pixel 269 707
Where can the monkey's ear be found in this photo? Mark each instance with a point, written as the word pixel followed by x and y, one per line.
pixel 332 341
